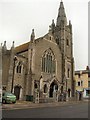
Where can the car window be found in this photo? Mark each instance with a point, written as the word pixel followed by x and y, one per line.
pixel 10 94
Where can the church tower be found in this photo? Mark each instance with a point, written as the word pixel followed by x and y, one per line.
pixel 59 30
pixel 62 33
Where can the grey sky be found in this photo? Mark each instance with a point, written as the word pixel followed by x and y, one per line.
pixel 19 17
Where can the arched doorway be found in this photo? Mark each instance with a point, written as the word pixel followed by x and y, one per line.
pixel 52 87
pixel 17 91
pixel 45 88
pixel 69 92
pixel 35 86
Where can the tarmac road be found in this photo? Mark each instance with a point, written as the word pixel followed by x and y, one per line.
pixel 79 110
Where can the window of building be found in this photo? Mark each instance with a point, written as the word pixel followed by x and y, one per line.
pixel 50 38
pixel 89 74
pixel 87 92
pixel 57 40
pixel 79 75
pixel 79 83
pixel 68 72
pixel 35 85
pixel 48 62
pixel 61 89
pixel 67 42
pixel 88 83
pixel 18 69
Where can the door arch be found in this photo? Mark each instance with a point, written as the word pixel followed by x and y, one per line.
pixel 69 92
pixel 53 84
pixel 17 92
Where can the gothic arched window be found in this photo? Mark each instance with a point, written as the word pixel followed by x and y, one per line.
pixel 57 40
pixel 68 73
pixel 18 68
pixel 35 85
pixel 67 42
pixel 48 62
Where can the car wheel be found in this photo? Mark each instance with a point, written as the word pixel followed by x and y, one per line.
pixel 4 101
pixel 14 102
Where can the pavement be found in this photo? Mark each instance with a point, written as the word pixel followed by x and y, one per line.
pixel 28 104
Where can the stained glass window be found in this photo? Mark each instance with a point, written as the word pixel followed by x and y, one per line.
pixel 48 62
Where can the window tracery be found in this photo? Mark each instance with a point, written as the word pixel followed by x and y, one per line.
pixel 48 62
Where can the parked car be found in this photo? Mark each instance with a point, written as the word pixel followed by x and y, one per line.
pixel 8 98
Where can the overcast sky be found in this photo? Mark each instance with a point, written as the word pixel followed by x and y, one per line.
pixel 19 17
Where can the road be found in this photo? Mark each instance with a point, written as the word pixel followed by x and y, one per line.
pixel 69 111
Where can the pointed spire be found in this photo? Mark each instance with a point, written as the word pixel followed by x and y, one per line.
pixel 1 47
pixel 32 35
pixel 5 43
pixel 13 44
pixel 61 15
pixel 69 22
pixel 70 26
pixel 12 47
pixel 53 26
pixel 4 46
pixel 1 44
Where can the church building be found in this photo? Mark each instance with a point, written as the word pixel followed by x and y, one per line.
pixel 45 64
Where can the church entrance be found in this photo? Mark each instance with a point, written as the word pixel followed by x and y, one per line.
pixel 17 92
pixel 53 87
pixel 69 91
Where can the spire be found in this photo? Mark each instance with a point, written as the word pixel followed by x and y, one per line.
pixel 70 26
pixel 5 43
pixel 13 44
pixel 53 26
pixel 1 45
pixel 0 48
pixel 61 15
pixel 4 46
pixel 32 35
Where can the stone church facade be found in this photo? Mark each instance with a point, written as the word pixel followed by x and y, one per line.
pixel 44 64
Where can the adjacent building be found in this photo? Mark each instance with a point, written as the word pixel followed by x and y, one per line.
pixel 45 64
pixel 0 73
pixel 82 82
